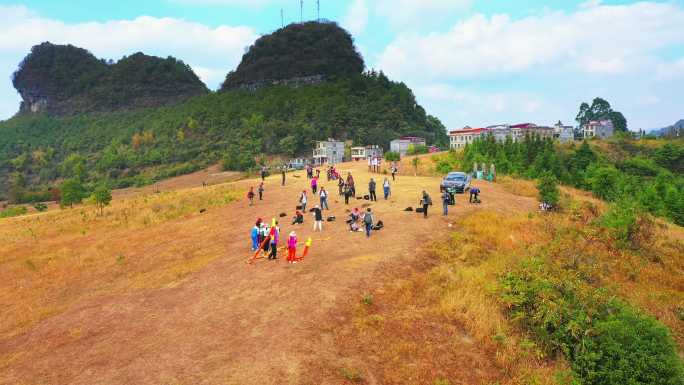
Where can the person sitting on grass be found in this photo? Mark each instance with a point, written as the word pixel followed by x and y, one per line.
pixel 298 218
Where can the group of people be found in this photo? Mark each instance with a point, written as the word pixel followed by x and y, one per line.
pixel 266 237
pixel 357 220
pixel 374 163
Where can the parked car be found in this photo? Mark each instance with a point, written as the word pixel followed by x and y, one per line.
pixel 457 182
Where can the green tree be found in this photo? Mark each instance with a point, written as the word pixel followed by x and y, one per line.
pixel 74 166
pixel 72 191
pixel 605 181
pixel 102 196
pixel 548 189
pixel 392 156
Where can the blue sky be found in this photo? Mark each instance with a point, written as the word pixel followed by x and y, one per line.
pixel 469 62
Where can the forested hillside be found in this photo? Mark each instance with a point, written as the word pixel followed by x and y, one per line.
pixel 139 147
pixel 66 80
pixel 636 175
pixel 297 51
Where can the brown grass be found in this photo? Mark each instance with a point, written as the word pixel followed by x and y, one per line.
pixel 444 321
pixel 53 259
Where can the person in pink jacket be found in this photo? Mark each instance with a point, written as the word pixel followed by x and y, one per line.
pixel 292 248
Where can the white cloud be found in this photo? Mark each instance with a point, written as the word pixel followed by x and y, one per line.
pixel 595 39
pixel 403 14
pixel 356 18
pixel 462 106
pixel 668 71
pixel 212 51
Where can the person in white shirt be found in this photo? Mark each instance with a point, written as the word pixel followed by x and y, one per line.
pixel 324 199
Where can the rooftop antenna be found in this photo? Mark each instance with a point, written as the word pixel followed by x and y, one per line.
pixel 301 11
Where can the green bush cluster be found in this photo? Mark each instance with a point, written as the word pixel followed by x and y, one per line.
pixel 606 341
pixel 13 211
pixel 652 178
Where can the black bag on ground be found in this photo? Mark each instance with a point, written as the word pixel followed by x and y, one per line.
pixel 408 209
pixel 283 215
pixel 378 226
pixel 419 210
pixel 299 207
pixel 331 218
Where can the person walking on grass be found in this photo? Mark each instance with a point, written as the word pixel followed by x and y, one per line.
pixel 261 191
pixel 324 198
pixel 386 188
pixel 347 194
pixel 250 196
pixel 318 218
pixel 350 183
pixel 446 199
pixel 340 185
pixel 318 173
pixel 255 236
pixel 303 200
pixel 263 173
pixel 371 190
pixel 283 171
pixel 292 248
pixel 275 238
pixel 426 201
pixel 394 170
pixel 368 222
pixel 314 184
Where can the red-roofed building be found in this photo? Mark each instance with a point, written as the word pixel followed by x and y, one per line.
pixel 459 138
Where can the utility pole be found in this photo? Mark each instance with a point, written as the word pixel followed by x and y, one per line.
pixel 301 11
pixel 282 17
pixel 318 9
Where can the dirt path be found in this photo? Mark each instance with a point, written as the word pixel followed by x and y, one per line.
pixel 230 323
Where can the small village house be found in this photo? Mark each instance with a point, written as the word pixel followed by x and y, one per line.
pixel 358 153
pixel 402 144
pixel 330 151
pixel 460 138
pixel 563 133
pixel 598 129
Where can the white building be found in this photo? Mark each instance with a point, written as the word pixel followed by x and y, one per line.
pixel 358 153
pixel 563 133
pixel 401 145
pixel 330 151
pixel 459 138
pixel 598 129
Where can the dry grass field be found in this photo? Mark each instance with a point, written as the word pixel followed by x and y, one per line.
pixel 157 291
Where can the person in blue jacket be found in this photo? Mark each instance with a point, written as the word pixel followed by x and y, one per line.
pixel 255 237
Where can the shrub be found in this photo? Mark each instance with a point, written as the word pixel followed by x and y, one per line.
pixel 392 156
pixel 628 348
pixel 625 223
pixel 605 341
pixel 40 207
pixel 13 211
pixel 604 182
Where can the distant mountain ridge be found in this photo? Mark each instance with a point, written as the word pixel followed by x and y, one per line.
pixel 676 129
pixel 65 80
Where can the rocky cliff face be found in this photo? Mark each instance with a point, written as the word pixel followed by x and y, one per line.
pixel 298 54
pixel 66 80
